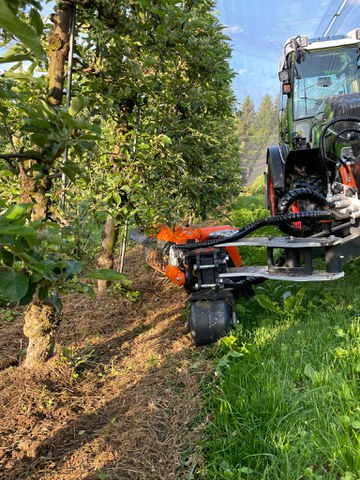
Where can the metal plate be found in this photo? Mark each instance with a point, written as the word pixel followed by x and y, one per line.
pixel 286 242
pixel 262 271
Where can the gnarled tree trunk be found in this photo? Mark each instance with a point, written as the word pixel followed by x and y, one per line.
pixel 58 52
pixel 40 322
pixel 39 327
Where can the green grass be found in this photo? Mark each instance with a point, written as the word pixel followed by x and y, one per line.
pixel 285 400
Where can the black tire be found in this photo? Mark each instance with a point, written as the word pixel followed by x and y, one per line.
pixel 208 321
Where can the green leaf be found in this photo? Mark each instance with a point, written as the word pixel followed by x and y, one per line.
pixel 84 288
pixel 265 302
pixel 289 303
pixel 36 21
pixel 38 139
pixel 17 211
pixel 15 57
pixel 7 95
pixel 13 285
pixel 18 230
pixel 72 170
pixel 43 293
pixel 27 36
pixel 73 267
pixel 246 470
pixel 6 173
pixel 355 424
pixel 28 297
pixel 22 76
pixel 7 257
pixel 310 373
pixel 56 301
pixel 77 104
pixel 108 275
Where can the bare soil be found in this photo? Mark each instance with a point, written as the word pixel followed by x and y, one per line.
pixel 120 400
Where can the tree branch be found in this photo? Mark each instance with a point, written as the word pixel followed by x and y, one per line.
pixel 21 156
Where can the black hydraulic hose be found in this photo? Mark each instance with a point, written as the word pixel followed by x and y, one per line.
pixel 323 156
pixel 263 222
pixel 302 193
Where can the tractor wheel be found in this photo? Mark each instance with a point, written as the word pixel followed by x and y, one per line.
pixel 208 321
pixel 300 200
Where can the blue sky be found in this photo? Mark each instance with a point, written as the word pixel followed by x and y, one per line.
pixel 259 28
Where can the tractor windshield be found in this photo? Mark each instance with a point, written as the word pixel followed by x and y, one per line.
pixel 321 74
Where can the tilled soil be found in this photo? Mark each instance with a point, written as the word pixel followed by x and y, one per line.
pixel 120 400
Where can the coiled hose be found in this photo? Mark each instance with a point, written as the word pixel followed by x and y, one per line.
pixel 302 193
pixel 289 199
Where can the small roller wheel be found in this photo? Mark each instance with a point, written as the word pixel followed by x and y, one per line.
pixel 209 320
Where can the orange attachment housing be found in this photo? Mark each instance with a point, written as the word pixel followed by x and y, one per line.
pixel 175 274
pixel 180 235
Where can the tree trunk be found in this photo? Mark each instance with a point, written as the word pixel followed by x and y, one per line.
pixel 39 327
pixel 105 258
pixel 35 185
pixel 58 52
pixel 33 190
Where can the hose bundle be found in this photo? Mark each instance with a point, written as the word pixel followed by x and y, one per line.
pixel 264 222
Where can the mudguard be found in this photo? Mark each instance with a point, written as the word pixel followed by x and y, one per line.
pixel 276 163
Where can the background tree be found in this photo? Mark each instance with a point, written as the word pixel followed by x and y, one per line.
pixel 257 129
pixel 168 102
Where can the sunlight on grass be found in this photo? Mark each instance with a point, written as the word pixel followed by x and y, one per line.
pixel 285 400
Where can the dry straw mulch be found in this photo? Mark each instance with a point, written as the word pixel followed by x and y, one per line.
pixel 131 413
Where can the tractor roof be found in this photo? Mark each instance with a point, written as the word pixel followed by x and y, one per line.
pixel 350 38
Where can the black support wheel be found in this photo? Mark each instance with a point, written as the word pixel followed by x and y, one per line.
pixel 209 320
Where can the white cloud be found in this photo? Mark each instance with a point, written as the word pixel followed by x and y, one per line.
pixel 242 71
pixel 234 29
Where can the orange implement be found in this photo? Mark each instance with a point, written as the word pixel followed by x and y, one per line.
pixel 180 235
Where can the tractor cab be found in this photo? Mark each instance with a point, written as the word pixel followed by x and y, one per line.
pixel 320 80
pixel 320 83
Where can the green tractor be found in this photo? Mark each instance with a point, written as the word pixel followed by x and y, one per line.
pixel 317 159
